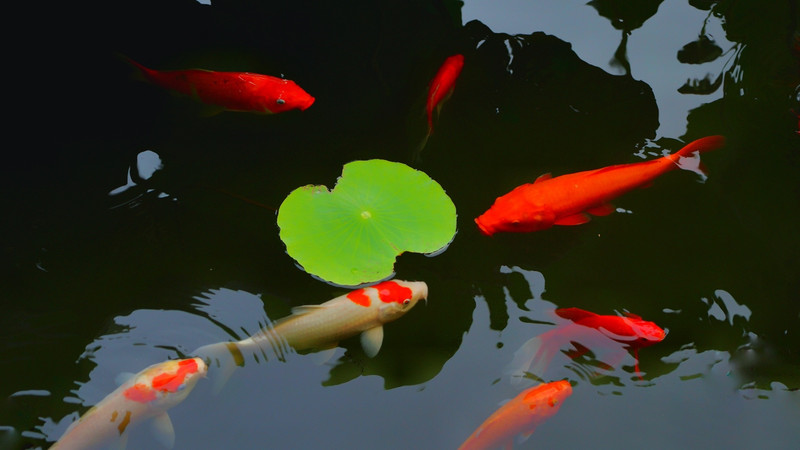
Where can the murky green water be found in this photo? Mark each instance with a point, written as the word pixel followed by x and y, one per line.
pixel 137 228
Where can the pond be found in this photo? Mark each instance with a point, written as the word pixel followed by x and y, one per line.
pixel 142 225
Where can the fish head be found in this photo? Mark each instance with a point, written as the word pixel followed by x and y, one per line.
pixel 545 399
pixel 647 333
pixel 166 384
pixel 287 97
pixel 397 297
pixel 512 213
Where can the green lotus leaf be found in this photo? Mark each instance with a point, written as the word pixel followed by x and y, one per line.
pixel 378 209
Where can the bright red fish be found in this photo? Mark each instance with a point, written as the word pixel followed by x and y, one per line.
pixel 442 85
pixel 630 330
pixel 519 415
pixel 568 199
pixel 587 332
pixel 234 91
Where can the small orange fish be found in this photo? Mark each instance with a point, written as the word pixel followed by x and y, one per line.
pixel 519 415
pixel 233 91
pixel 568 199
pixel 442 85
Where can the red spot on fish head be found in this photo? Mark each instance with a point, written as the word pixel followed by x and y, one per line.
pixel 140 392
pixel 392 292
pixel 359 297
pixel 174 381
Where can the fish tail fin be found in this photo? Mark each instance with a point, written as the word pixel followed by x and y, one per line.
pixel 688 157
pixel 222 358
pixel 531 360
pixel 142 73
pixel 702 145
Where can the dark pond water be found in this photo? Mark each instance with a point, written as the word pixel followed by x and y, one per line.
pixel 138 228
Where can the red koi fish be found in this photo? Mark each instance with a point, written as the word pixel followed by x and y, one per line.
pixel 519 415
pixel 233 91
pixel 148 394
pixel 568 199
pixel 630 330
pixel 588 331
pixel 442 85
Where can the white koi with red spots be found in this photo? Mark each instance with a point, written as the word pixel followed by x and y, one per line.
pixel 148 394
pixel 322 327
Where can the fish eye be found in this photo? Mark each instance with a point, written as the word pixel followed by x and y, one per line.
pixel 406 301
pixel 280 101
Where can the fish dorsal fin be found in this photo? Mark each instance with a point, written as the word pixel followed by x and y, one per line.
pixel 602 210
pixel 632 315
pixel 575 219
pixel 574 314
pixel 305 309
pixel 543 177
pixel 164 432
pixel 371 340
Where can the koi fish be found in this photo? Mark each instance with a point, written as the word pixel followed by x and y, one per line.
pixel 148 394
pixel 629 330
pixel 442 85
pixel 520 415
pixel 321 327
pixel 568 199
pixel 233 91
pixel 587 329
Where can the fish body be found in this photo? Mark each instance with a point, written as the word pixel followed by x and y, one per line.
pixel 630 330
pixel 568 199
pixel 520 415
pixel 320 327
pixel 363 311
pixel 442 85
pixel 148 394
pixel 586 331
pixel 233 91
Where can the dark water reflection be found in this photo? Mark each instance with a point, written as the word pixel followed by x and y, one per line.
pixel 125 203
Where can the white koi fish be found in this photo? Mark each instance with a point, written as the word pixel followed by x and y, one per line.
pixel 148 394
pixel 321 327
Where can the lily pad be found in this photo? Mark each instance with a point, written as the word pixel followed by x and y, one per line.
pixel 378 209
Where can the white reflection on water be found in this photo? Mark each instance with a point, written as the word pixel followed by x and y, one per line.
pixel 725 308
pixel 595 40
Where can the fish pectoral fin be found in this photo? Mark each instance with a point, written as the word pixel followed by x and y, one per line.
pixel 371 340
pixel 575 219
pixel 602 210
pixel 323 355
pixel 163 430
pixel 524 436
pixel 542 177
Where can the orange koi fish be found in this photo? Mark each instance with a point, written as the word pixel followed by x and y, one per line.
pixel 442 85
pixel 568 199
pixel 148 394
pixel 521 415
pixel 630 330
pixel 321 327
pixel 233 91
